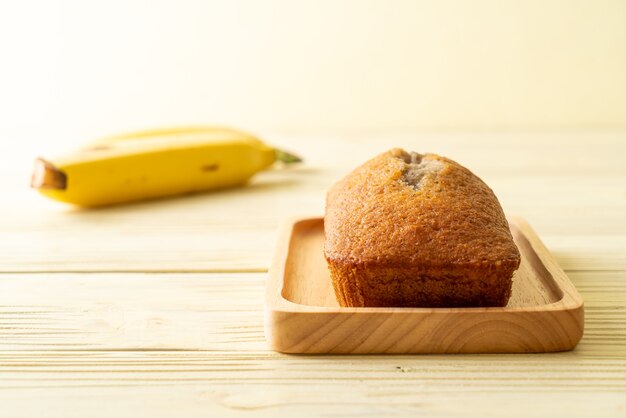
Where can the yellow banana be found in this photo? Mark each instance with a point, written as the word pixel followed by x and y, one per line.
pixel 152 164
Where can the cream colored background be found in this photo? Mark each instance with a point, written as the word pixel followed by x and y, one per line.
pixel 86 68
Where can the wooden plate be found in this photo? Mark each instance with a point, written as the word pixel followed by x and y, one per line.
pixel 545 312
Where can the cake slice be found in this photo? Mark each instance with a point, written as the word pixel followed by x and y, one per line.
pixel 412 230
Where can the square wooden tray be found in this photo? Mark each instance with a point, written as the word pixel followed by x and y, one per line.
pixel 545 312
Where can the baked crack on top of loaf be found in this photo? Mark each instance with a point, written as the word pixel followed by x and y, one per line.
pixel 418 168
pixel 417 230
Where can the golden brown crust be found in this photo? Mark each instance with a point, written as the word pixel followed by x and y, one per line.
pixel 411 230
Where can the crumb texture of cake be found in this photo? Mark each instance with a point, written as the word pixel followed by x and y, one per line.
pixel 412 230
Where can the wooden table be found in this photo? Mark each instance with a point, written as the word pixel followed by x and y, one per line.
pixel 156 309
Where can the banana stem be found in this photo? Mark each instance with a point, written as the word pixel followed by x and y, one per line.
pixel 286 157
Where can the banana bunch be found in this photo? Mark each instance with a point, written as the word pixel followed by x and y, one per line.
pixel 152 164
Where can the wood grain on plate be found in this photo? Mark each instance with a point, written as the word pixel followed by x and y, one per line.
pixel 544 314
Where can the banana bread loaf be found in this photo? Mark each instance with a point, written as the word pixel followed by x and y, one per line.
pixel 412 230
